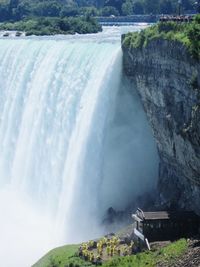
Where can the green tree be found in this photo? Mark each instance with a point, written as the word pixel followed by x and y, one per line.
pixel 13 3
pixel 4 12
pixel 127 8
pixel 138 7
pixel 151 6
pixel 115 3
pixel 166 7
pixel 109 10
pixel 188 4
pixel 91 11
pixel 193 34
pixel 50 9
pixel 68 11
pixel 23 9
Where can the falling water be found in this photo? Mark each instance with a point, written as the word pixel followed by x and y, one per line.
pixel 74 141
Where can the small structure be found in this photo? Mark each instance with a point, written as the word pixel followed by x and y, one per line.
pixel 165 225
pixel 179 19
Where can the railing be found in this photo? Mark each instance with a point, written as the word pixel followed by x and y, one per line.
pixel 176 18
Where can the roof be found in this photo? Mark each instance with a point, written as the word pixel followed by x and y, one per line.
pixel 156 215
pixel 167 215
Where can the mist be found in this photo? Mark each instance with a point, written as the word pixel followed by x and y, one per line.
pixel 26 233
pixel 130 166
pixel 74 142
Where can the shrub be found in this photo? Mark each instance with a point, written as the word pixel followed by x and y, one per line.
pixel 52 26
pixel 186 33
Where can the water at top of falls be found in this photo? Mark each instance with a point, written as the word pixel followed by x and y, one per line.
pixel 74 141
pixel 112 33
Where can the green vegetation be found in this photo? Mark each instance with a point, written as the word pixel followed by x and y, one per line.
pixel 186 33
pixel 66 257
pixel 155 6
pixel 194 82
pixel 19 9
pixel 51 26
pixel 62 257
pixel 167 254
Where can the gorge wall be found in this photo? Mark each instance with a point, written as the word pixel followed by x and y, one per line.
pixel 167 79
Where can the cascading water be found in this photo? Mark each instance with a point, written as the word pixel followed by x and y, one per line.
pixel 74 141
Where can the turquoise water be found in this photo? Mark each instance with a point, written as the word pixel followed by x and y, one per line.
pixel 74 141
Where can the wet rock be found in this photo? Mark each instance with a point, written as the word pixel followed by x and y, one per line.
pixel 167 79
pixel 113 216
pixel 6 34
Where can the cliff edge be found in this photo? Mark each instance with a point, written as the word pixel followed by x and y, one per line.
pixel 167 78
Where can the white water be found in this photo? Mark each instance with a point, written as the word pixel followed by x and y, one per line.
pixel 74 140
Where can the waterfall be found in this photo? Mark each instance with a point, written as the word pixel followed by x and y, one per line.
pixel 68 121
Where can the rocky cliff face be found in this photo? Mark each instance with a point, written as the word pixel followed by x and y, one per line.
pixel 168 82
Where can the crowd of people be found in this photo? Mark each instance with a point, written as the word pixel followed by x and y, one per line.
pixel 181 18
pixel 105 248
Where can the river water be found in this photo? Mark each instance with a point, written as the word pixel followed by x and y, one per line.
pixel 74 141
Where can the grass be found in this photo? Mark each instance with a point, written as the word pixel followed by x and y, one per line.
pixel 174 250
pixel 66 256
pixel 185 33
pixel 167 254
pixel 62 257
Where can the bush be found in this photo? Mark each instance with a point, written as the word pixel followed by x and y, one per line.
pixel 186 33
pixel 52 26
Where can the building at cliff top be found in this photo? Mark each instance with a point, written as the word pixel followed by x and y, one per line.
pixel 165 225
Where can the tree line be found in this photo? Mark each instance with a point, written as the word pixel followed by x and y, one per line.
pixel 52 26
pixel 20 9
